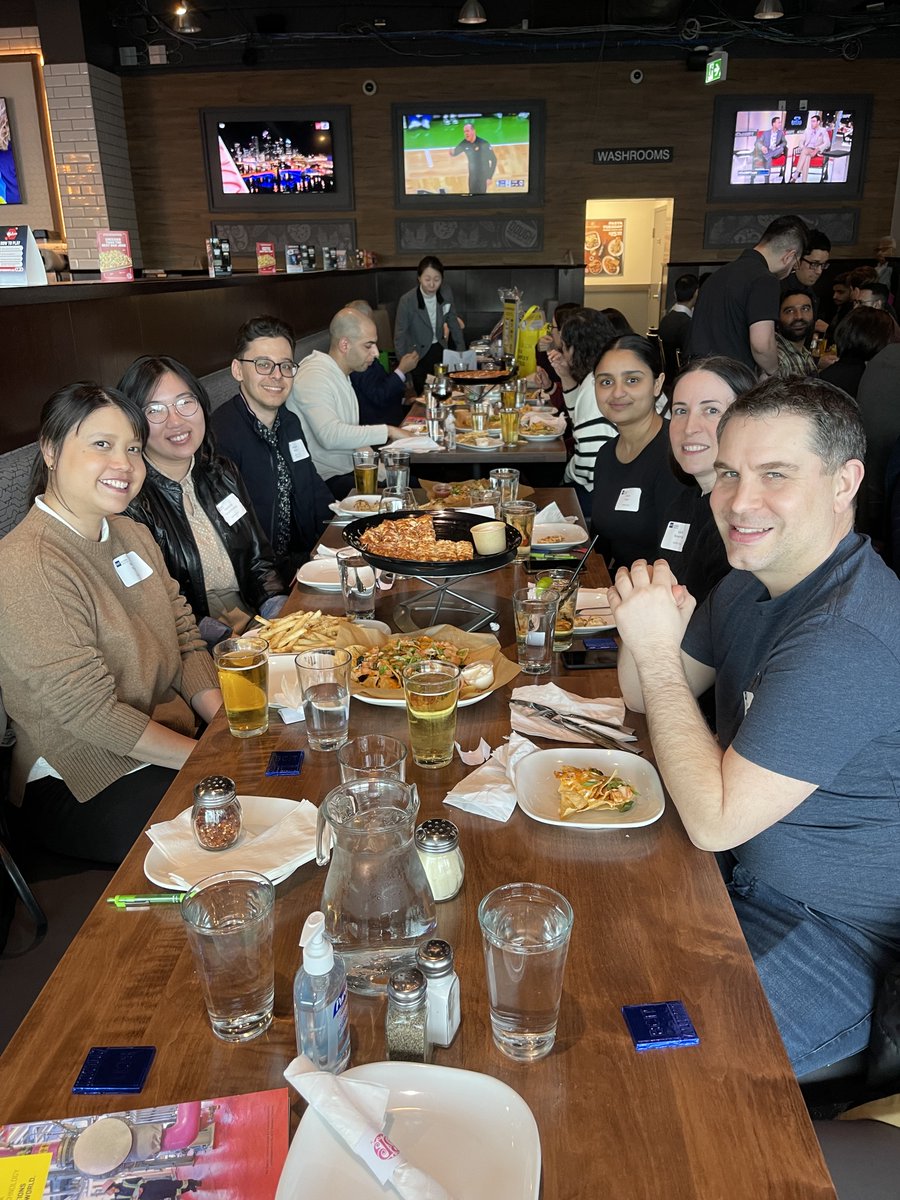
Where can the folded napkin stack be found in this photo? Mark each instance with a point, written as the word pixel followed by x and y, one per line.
pixel 289 842
pixel 356 1110
pixel 608 714
pixel 490 791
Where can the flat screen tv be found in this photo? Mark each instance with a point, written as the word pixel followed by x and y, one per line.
pixel 469 154
pixel 9 179
pixel 800 148
pixel 278 159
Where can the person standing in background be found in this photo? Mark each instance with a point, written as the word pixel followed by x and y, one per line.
pixel 427 321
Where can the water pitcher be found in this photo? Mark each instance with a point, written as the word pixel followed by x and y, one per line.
pixel 377 902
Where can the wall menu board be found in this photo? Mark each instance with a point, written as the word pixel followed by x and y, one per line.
pixel 604 247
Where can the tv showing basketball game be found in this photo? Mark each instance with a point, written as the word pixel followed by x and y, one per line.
pixel 9 179
pixel 793 145
pixel 468 153
pixel 278 158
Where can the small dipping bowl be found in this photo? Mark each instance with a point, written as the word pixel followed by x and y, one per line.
pixel 489 537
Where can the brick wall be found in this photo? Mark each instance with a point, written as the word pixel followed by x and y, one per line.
pixel 91 153
pixel 20 40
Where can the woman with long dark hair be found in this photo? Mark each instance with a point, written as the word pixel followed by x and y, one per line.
pixel 195 504
pixel 427 320
pixel 102 668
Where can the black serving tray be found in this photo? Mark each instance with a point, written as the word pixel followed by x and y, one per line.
pixel 449 525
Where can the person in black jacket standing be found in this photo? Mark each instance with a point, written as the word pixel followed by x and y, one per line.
pixel 196 506
pixel 266 442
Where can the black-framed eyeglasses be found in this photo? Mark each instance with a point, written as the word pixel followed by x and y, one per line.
pixel 157 412
pixel 265 366
pixel 813 265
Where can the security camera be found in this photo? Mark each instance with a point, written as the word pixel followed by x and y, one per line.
pixel 370 87
pixel 636 77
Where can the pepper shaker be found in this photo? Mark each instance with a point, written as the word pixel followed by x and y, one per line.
pixel 406 1020
pixel 437 841
pixel 216 815
pixel 435 961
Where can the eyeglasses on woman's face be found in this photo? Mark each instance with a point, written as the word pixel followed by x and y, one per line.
pixel 185 406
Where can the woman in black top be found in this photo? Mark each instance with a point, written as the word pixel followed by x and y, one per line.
pixel 196 506
pixel 689 539
pixel 859 337
pixel 633 483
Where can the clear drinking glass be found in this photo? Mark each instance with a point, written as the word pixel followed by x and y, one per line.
pixel 365 471
pixel 324 675
pixel 396 468
pixel 431 690
pixel 488 497
pixel 357 585
pixel 396 499
pixel 565 612
pixel 243 667
pixel 480 416
pixel 509 427
pixel 520 514
pixel 525 930
pixel 507 480
pixel 229 923
pixel 508 395
pixel 535 615
pixel 372 756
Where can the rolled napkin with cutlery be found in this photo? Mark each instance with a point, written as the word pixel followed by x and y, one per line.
pixel 356 1112
pixel 490 790
pixel 545 710
pixel 292 839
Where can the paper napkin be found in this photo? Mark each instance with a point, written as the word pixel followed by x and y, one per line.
pixel 553 515
pixel 611 712
pixel 355 1110
pixel 490 791
pixel 419 443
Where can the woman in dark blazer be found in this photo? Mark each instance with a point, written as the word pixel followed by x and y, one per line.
pixel 427 320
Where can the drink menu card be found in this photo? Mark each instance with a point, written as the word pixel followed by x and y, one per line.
pixel 231 1148
pixel 114 250
pixel 20 262
pixel 265 258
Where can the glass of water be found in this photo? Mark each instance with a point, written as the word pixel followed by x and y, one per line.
pixel 396 468
pixel 525 930
pixel 357 585
pixel 507 480
pixel 324 674
pixel 535 614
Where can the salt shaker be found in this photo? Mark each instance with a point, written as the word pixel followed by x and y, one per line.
pixel 216 815
pixel 437 841
pixel 435 961
pixel 406 1021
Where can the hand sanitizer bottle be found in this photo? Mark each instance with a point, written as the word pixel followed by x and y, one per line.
pixel 320 1000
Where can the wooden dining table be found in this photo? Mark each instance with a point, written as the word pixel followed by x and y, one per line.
pixel 524 452
pixel 653 922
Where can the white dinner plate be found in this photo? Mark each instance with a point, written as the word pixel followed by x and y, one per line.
pixel 471 1133
pixel 539 437
pixel 399 702
pixel 592 613
pixel 348 507
pixel 537 789
pixel 322 574
pixel 572 535
pixel 488 443
pixel 258 814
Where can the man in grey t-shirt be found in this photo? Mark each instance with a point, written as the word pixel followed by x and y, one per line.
pixel 802 641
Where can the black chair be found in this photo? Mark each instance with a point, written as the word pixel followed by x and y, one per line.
pixel 13 885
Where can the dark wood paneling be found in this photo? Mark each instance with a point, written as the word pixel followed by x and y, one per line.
pixel 587 105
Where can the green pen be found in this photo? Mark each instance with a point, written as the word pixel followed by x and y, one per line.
pixel 134 902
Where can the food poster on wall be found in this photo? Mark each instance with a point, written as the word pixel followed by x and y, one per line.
pixel 604 247
pixel 265 258
pixel 114 252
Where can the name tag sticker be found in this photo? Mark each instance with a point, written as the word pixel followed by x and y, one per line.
pixel 131 568
pixel 675 535
pixel 298 450
pixel 231 509
pixel 629 500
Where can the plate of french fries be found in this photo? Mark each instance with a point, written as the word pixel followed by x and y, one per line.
pixel 303 630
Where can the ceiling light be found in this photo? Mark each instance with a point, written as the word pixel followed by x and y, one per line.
pixel 768 10
pixel 472 13
pixel 184 21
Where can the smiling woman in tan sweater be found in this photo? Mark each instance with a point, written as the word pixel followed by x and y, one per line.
pixel 101 665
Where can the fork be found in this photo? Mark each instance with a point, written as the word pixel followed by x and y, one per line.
pixel 576 726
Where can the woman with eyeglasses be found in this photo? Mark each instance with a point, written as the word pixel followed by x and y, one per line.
pixel 196 506
pixel 101 664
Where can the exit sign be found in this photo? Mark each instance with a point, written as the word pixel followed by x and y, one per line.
pixel 717 67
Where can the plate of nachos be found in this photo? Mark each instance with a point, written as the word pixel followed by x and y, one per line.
pixel 586 788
